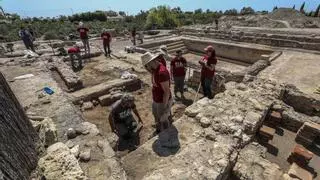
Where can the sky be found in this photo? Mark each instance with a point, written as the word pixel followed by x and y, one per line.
pixel 51 8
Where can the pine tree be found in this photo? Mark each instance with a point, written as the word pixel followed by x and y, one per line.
pixel 302 7
pixel 294 7
pixel 316 14
pixel 275 8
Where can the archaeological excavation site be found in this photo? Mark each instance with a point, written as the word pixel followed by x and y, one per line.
pixel 263 122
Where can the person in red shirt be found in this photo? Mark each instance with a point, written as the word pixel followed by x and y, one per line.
pixel 178 70
pixel 74 53
pixel 84 37
pixel 208 63
pixel 161 95
pixel 106 38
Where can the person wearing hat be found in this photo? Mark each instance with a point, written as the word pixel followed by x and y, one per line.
pixel 164 53
pixel 74 53
pixel 161 95
pixel 208 63
pixel 84 37
pixel 106 39
pixel 178 70
pixel 121 119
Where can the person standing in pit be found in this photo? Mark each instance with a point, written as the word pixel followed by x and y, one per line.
pixel 217 23
pixel 84 37
pixel 133 36
pixel 106 38
pixel 161 94
pixel 74 53
pixel 140 37
pixel 27 38
pixel 208 63
pixel 178 67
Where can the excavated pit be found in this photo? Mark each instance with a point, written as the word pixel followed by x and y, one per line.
pixel 209 139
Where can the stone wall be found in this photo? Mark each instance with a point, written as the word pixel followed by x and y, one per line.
pixel 227 50
pixel 18 156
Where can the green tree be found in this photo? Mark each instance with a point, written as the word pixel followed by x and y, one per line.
pixel 162 17
pixel 122 13
pixel 246 11
pixel 316 14
pixel 294 7
pixel 198 11
pixel 232 12
pixel 275 8
pixel 302 7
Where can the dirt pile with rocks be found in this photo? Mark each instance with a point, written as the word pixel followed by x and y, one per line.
pixel 295 18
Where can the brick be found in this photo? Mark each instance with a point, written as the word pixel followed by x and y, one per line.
pixel 296 171
pixel 300 151
pixel 267 132
pixel 275 116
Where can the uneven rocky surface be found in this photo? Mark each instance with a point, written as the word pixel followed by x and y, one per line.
pixel 60 163
pixel 251 164
pixel 209 136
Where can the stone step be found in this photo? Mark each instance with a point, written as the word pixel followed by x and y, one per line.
pixel 176 46
pixel 175 43
pixel 109 99
pixel 267 132
pixel 183 49
pixel 296 171
pixel 94 92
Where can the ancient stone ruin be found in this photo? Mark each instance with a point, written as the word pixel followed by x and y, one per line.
pixel 263 122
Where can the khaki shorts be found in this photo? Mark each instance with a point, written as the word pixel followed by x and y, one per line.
pixel 160 112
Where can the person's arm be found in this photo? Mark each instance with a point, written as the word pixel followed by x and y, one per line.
pixel 135 111
pixel 171 69
pixel 111 121
pixel 166 89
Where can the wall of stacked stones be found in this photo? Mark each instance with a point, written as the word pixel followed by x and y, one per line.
pixel 18 156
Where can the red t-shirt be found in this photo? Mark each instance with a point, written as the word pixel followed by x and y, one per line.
pixel 83 32
pixel 162 61
pixel 161 74
pixel 106 37
pixel 205 72
pixel 178 66
pixel 73 50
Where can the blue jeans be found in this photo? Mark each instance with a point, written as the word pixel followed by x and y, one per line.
pixel 206 87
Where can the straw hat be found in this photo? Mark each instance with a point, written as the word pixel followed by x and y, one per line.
pixel 148 57
pixel 209 48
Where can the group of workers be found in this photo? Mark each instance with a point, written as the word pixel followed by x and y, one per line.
pixel 121 119
pixel 106 37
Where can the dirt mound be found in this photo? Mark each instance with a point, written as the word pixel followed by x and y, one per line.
pixel 249 21
pixel 285 14
pixel 295 18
